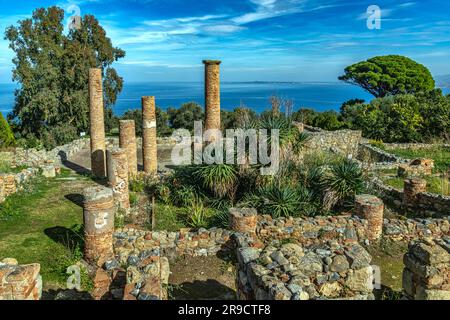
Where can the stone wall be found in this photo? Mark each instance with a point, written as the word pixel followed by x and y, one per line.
pixel 370 154
pixel 426 275
pixel 19 282
pixel 345 142
pixel 39 158
pixel 292 272
pixel 426 204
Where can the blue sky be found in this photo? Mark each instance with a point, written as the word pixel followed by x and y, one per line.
pixel 271 40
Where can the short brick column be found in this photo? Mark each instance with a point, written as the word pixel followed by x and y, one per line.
pixel 149 144
pixel 118 176
pixel 98 224
pixel 371 208
pixel 97 123
pixel 212 94
pixel 243 220
pixel 411 188
pixel 127 141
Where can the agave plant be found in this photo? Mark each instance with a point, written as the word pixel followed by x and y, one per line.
pixel 198 216
pixel 220 179
pixel 346 180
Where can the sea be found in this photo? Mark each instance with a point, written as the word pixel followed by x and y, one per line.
pixel 319 96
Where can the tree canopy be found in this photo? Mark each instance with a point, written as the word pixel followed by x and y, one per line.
pixel 53 70
pixel 389 75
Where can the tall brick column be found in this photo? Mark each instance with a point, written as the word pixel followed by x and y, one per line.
pixel 97 121
pixel 118 176
pixel 411 187
pixel 127 141
pixel 371 208
pixel 98 211
pixel 149 145
pixel 212 94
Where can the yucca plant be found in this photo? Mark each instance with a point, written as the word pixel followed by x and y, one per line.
pixel 220 179
pixel 345 180
pixel 198 217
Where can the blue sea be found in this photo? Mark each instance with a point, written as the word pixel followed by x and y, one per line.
pixel 254 95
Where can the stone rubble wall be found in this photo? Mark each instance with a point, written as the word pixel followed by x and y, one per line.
pixel 19 282
pixel 426 204
pixel 426 275
pixel 292 272
pixel 347 229
pixel 11 183
pixel 370 154
pixel 148 279
pixel 39 158
pixel 413 146
pixel 344 142
pixel 131 244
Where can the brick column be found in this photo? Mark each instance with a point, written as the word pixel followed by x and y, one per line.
pixel 149 144
pixel 127 141
pixel 118 176
pixel 97 121
pixel 411 187
pixel 98 224
pixel 371 208
pixel 243 220
pixel 212 94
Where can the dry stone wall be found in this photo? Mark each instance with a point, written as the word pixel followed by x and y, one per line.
pixel 11 183
pixel 344 142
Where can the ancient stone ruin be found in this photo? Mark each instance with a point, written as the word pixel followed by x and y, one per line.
pixel 212 94
pixel 149 146
pixel 127 142
pixel 97 122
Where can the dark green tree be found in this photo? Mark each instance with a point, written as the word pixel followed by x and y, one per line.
pixel 53 70
pixel 184 117
pixel 389 75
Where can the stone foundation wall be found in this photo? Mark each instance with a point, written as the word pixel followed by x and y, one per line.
pixel 132 244
pixel 20 282
pixel 426 275
pixel 292 272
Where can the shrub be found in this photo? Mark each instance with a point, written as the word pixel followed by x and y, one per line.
pixel 278 201
pixel 58 136
pixel 6 135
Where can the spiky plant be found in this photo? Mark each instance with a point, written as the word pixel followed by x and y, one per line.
pixel 220 179
pixel 278 201
pixel 197 215
pixel 183 196
pixel 346 180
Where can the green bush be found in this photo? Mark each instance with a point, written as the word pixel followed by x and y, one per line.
pixel 346 180
pixel 6 135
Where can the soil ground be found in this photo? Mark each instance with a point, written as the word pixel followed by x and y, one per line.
pixel 202 278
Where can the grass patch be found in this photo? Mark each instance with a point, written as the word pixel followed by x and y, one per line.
pixel 46 227
pixel 438 185
pixel 440 155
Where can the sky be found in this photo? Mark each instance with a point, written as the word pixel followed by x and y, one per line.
pixel 257 40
